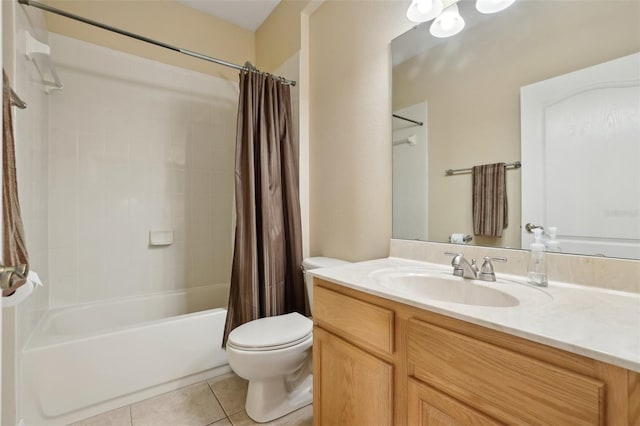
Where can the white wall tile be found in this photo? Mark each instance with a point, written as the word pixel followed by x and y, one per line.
pixel 138 145
pixel 93 278
pixel 64 290
pixel 32 151
pixel 31 132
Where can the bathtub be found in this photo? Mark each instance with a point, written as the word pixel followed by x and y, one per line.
pixel 85 359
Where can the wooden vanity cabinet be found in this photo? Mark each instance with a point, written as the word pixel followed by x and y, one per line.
pixel 351 361
pixel 506 385
pixel 380 362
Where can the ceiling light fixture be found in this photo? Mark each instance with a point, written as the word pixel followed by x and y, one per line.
pixel 424 10
pixel 448 21
pixel 493 6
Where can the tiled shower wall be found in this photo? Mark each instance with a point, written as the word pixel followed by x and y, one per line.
pixel 136 146
pixel 32 151
pixel 31 134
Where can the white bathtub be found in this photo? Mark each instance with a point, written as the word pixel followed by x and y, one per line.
pixel 85 359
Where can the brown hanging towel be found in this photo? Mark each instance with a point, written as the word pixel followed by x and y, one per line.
pixel 14 247
pixel 490 211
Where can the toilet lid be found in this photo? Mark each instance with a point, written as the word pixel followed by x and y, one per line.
pixel 272 332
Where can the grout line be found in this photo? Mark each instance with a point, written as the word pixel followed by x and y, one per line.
pixel 130 415
pixel 217 399
pixel 219 403
pixel 224 409
pixel 225 418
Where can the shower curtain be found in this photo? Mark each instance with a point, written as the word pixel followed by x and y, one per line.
pixel 266 277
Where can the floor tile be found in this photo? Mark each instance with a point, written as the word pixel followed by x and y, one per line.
pixel 223 422
pixel 231 391
pixel 301 417
pixel 191 406
pixel 117 417
pixel 242 419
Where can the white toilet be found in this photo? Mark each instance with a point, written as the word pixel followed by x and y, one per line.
pixel 274 355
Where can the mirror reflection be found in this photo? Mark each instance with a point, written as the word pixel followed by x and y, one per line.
pixel 466 92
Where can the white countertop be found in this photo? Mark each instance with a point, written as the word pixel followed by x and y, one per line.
pixel 597 323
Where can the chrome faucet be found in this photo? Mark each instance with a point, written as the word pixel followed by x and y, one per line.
pixel 462 267
pixel 9 275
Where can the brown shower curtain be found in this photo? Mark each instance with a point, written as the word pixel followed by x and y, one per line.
pixel 266 277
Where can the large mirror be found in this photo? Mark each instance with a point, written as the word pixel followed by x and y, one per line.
pixel 464 94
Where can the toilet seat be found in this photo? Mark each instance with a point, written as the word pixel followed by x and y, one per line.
pixel 271 333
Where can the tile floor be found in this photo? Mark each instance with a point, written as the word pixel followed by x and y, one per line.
pixel 215 402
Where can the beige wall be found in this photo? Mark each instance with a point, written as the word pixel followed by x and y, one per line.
pixel 350 126
pixel 278 38
pixel 166 21
pixel 472 88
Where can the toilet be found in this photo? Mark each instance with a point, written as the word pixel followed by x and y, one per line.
pixel 274 355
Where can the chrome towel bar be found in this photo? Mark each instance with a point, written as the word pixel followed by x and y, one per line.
pixel 451 172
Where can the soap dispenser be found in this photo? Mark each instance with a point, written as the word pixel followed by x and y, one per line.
pixel 552 244
pixel 537 270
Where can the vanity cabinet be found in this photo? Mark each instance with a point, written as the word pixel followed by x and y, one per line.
pixel 506 385
pixel 380 362
pixel 352 369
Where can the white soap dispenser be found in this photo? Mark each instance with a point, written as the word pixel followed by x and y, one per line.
pixel 537 270
pixel 552 244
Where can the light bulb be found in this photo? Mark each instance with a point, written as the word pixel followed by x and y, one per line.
pixel 424 10
pixel 448 23
pixel 424 6
pixel 493 6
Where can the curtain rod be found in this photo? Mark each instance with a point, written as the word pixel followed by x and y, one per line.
pixel 451 172
pixel 146 39
pixel 419 123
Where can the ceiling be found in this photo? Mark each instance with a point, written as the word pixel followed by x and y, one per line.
pixel 248 14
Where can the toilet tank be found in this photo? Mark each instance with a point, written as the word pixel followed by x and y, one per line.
pixel 313 263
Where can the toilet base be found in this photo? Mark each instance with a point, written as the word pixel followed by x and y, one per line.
pixel 272 398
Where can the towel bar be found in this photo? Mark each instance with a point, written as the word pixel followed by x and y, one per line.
pixel 451 172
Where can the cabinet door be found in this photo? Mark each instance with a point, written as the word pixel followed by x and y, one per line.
pixel 428 407
pixel 350 386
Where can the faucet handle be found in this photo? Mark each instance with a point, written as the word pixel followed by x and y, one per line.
pixel 486 272
pixel 455 262
pixel 454 254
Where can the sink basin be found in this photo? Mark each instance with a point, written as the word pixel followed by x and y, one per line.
pixel 442 286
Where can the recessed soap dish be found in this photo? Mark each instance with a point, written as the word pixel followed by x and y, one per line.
pixel 161 238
